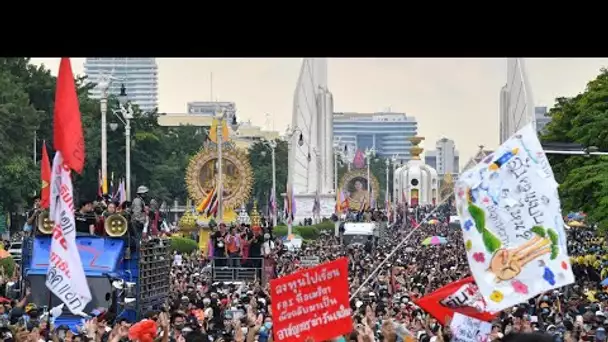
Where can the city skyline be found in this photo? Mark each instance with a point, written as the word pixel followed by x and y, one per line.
pixel 448 97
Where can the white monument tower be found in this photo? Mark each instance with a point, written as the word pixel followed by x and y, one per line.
pixel 516 101
pixel 311 163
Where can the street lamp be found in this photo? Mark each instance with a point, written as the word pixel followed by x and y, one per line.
pixel 338 152
pixel 273 145
pixel 369 153
pixel 222 117
pixel 124 114
pixel 394 160
pixel 289 134
pixel 388 163
pixel 104 85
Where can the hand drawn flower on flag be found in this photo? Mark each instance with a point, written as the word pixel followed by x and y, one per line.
pixel 497 296
pixel 468 224
pixel 519 287
pixel 468 245
pixel 549 276
pixel 479 257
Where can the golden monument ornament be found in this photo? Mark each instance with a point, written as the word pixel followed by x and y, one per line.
pixel 237 176
pixel 354 185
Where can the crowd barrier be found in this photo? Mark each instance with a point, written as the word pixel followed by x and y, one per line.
pixel 242 270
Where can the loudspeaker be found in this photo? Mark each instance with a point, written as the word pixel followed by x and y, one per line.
pixel 101 291
pixel 154 277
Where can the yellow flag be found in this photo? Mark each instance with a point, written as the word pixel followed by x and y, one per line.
pixel 213 131
pixel 225 133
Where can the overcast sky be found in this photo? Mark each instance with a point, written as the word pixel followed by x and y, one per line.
pixel 455 98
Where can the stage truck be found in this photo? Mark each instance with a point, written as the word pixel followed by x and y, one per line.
pixel 126 276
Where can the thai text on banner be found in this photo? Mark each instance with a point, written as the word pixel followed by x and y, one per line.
pixel 307 302
pixel 512 223
pixel 469 329
pixel 65 276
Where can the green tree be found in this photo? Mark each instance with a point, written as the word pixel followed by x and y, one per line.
pixel 261 163
pixel 18 123
pixel 583 180
pixel 159 155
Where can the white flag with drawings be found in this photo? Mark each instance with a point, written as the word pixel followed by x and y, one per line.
pixel 65 277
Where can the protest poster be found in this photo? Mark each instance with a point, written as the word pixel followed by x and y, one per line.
pixel 469 329
pixel 307 302
pixel 309 260
pixel 512 224
pixel 461 297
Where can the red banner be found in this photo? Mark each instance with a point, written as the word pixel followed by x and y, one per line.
pixel 45 178
pixel 462 296
pixel 312 303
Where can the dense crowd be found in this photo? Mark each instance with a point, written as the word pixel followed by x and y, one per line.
pixel 201 309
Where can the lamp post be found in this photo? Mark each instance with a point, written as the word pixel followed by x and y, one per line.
pixel 125 114
pixel 273 145
pixel 290 134
pixel 388 163
pixel 338 152
pixel 317 213
pixel 394 161
pixel 104 85
pixel 369 152
pixel 222 117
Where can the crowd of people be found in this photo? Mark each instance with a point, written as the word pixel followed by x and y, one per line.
pixel 202 309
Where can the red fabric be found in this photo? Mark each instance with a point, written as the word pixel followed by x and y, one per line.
pixel 67 131
pixel 324 288
pixel 460 297
pixel 45 178
pixel 244 249
pixel 100 229
pixel 144 331
pixel 154 225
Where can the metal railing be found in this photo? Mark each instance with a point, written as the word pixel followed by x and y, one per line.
pixel 238 269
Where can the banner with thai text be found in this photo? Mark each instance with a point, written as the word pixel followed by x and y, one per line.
pixel 512 223
pixel 469 329
pixel 65 277
pixel 461 297
pixel 307 302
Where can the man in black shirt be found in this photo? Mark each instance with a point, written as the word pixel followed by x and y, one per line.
pixel 85 219
pixel 255 249
pixel 219 245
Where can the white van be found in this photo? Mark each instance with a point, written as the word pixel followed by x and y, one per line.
pixel 357 232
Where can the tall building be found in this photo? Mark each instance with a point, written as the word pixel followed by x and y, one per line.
pixel 516 101
pixel 541 119
pixel 444 158
pixel 139 75
pixel 388 133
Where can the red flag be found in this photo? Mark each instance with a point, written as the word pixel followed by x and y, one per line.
pixel 359 160
pixel 45 178
pixel 68 136
pixel 462 296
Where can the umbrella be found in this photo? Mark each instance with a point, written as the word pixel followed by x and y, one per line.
pixel 604 282
pixel 434 240
pixel 575 224
pixel 433 221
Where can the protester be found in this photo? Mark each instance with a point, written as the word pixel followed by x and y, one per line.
pixel 384 309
